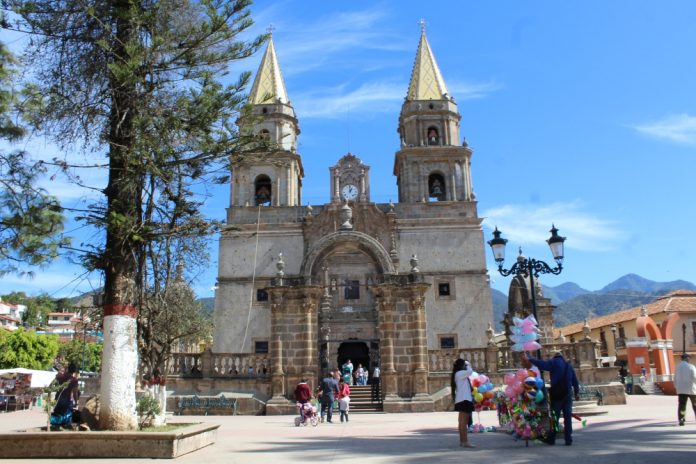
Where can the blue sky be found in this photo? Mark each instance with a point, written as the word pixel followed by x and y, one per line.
pixel 580 113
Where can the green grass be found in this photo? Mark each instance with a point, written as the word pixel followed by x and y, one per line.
pixel 166 427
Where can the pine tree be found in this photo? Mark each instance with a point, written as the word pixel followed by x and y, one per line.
pixel 139 80
pixel 31 220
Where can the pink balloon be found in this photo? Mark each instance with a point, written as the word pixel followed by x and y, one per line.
pixel 509 378
pixel 484 379
pixel 521 374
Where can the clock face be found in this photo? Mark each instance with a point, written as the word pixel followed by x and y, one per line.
pixel 350 192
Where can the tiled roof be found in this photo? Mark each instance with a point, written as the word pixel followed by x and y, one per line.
pixel 681 301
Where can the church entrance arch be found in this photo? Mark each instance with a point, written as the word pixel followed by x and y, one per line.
pixel 357 352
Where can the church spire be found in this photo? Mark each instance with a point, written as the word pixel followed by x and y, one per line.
pixel 426 80
pixel 269 80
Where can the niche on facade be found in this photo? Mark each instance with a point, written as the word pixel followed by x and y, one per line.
pixel 433 136
pixel 436 187
pixel 262 190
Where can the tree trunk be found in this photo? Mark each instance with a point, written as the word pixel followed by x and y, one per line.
pixel 123 193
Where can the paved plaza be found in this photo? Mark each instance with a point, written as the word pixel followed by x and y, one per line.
pixel 643 431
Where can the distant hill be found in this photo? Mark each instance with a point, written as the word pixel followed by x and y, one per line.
pixel 640 284
pixel 574 303
pixel 564 292
pixel 208 304
pixel 625 292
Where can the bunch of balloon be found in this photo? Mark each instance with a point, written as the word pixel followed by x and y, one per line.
pixel 483 395
pixel 520 401
pixel 525 334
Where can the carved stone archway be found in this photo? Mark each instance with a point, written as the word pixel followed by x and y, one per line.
pixel 364 242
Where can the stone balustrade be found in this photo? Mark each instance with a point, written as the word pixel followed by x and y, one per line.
pixel 209 364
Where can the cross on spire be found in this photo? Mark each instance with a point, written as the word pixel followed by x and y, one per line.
pixel 270 29
pixel 422 25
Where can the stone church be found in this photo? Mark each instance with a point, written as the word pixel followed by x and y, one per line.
pixel 378 283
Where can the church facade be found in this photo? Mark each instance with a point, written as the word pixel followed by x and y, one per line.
pixel 380 284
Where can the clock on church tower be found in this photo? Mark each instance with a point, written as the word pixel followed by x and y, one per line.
pixel 350 180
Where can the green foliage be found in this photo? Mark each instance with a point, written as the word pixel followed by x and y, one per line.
pixel 31 220
pixel 169 316
pixel 148 407
pixel 38 307
pixel 86 355
pixel 141 81
pixel 27 349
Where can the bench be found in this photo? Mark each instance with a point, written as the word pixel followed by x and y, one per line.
pixel 206 403
pixel 591 394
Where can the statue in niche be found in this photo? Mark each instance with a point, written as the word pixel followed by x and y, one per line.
pixel 436 189
pixel 433 136
pixel 263 195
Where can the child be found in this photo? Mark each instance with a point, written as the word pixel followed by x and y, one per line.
pixel 343 399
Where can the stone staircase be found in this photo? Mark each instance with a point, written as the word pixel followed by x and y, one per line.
pixel 648 388
pixel 361 400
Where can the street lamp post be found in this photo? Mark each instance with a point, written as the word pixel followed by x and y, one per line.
pixel 684 338
pixel 613 333
pixel 529 267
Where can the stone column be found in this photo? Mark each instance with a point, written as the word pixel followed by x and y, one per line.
pixel 309 307
pixel 386 336
pixel 420 344
pixel 277 371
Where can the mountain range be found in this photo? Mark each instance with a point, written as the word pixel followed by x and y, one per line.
pixel 574 303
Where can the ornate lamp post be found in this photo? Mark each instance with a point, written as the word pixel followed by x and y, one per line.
pixel 684 338
pixel 613 333
pixel 529 267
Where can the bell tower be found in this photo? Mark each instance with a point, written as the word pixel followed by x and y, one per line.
pixel 431 164
pixel 271 178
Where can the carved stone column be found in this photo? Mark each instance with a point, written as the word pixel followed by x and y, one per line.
pixel 276 348
pixel 386 336
pixel 420 343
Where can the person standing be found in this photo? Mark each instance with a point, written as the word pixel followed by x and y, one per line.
pixel 629 383
pixel 375 384
pixel 563 383
pixel 329 390
pixel 66 397
pixel 461 395
pixel 348 371
pixel 343 399
pixel 685 383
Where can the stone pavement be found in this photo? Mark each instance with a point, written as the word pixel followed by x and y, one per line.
pixel 643 431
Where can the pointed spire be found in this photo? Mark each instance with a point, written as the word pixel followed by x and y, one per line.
pixel 269 80
pixel 426 80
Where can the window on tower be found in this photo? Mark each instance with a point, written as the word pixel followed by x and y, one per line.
pixel 262 189
pixel 436 187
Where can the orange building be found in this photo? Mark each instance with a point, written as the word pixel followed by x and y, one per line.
pixel 652 336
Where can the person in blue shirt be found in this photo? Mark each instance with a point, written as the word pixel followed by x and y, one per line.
pixel 563 383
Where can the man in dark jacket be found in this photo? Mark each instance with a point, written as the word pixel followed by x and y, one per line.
pixel 563 383
pixel 329 388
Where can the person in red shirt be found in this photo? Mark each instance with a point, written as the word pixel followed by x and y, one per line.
pixel 343 399
pixel 303 393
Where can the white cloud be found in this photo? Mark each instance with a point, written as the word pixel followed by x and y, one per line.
pixel 529 225
pixel 335 102
pixel 372 97
pixel 680 128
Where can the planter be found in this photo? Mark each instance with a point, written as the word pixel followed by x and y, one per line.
pixel 93 444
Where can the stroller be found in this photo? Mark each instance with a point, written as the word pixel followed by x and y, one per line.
pixel 310 414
